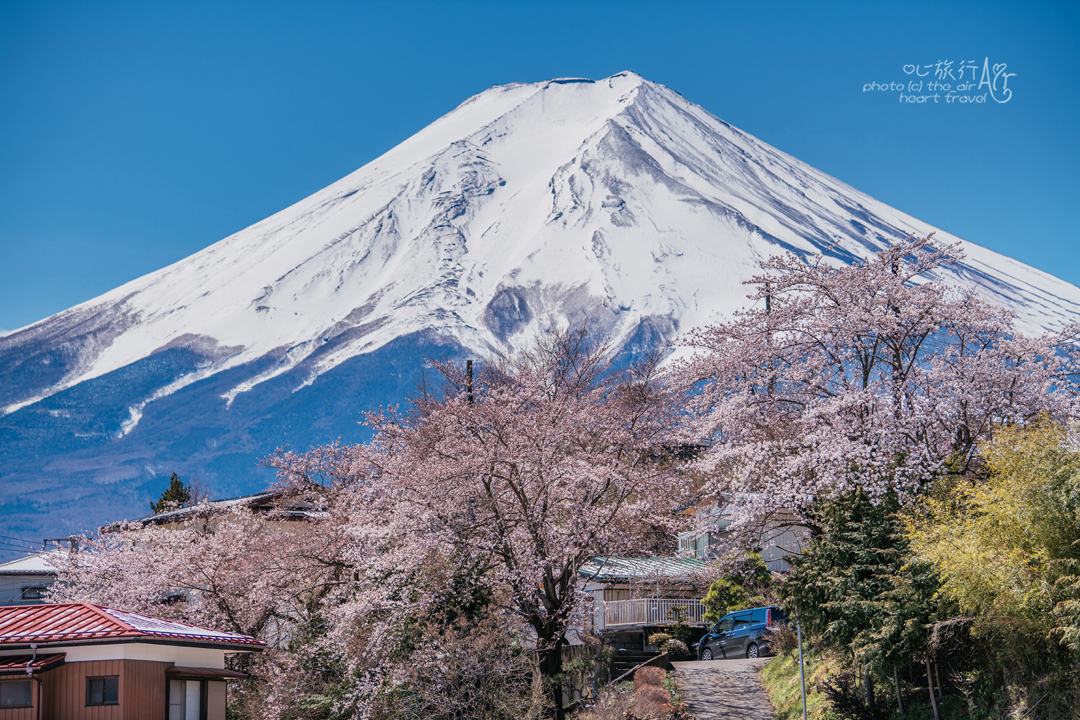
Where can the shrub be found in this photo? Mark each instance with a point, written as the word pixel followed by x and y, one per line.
pixel 651 701
pixel 659 638
pixel 842 695
pixel 673 646
pixel 781 639
pixel 613 703
pixel 676 649
pixel 649 676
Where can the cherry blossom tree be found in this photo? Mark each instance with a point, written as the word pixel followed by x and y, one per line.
pixel 231 571
pixel 237 571
pixel 875 376
pixel 539 464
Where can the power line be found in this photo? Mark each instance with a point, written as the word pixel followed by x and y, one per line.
pixel 18 543
pixel 16 548
pixel 31 543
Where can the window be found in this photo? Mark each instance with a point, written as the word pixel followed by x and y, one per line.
pixel 16 694
pixel 185 700
pixel 761 615
pixel 742 621
pixel 103 690
pixel 722 626
pixel 37 592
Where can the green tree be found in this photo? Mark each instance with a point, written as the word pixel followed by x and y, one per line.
pixel 745 587
pixel 1006 550
pixel 725 595
pixel 835 586
pixel 856 587
pixel 1003 547
pixel 1067 611
pixel 177 495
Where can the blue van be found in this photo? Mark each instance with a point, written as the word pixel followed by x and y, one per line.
pixel 740 634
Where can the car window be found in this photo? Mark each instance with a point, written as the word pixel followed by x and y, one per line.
pixel 743 620
pixel 723 626
pixel 759 615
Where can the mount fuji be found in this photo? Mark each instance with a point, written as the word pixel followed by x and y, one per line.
pixel 528 206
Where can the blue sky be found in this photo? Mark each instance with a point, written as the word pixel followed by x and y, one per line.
pixel 134 134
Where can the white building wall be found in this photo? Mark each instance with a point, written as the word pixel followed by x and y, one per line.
pixel 213 658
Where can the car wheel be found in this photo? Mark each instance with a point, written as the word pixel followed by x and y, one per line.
pixel 751 651
pixel 706 654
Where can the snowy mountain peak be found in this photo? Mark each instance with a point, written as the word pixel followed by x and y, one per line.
pixel 528 206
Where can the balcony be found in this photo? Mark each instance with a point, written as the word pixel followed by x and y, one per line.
pixel 652 611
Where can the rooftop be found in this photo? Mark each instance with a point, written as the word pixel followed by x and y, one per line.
pixel 293 509
pixel 36 564
pixel 84 622
pixel 613 569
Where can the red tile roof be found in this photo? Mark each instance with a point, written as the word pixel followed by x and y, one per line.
pixel 75 622
pixel 17 664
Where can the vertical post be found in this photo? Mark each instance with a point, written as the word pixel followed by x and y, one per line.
pixel 469 380
pixel 802 674
pixel 770 384
pixel 930 685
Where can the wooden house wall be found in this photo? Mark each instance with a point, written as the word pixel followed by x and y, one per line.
pixel 29 713
pixel 216 700
pixel 141 692
pixel 143 688
pixel 64 692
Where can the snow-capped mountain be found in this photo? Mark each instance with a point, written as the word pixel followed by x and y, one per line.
pixel 529 205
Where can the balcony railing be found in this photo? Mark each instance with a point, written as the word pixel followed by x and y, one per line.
pixel 653 611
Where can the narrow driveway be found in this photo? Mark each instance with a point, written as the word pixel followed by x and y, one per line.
pixel 728 689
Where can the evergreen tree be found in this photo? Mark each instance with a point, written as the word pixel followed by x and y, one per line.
pixel 836 585
pixel 177 495
pixel 858 587
pixel 745 587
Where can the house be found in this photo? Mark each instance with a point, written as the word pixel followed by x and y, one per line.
pixel 77 660
pixel 26 581
pixel 777 535
pixel 633 596
pixel 282 506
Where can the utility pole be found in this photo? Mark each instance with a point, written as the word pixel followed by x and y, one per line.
pixel 73 543
pixel 468 380
pixel 802 674
pixel 770 384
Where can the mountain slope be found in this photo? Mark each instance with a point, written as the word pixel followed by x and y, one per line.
pixel 530 205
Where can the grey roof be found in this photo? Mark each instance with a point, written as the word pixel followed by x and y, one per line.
pixel 613 569
pixel 36 564
pixel 261 501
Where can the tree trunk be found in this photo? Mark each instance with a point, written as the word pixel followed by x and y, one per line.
pixel 594 685
pixel 550 670
pixel 930 684
pixel 868 686
pixel 937 678
pixel 896 683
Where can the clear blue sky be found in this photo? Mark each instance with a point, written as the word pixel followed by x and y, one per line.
pixel 134 134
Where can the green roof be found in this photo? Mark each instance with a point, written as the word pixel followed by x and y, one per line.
pixel 611 569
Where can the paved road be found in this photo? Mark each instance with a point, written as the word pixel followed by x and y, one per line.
pixel 728 689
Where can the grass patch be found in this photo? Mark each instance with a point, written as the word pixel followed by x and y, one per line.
pixel 781 679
